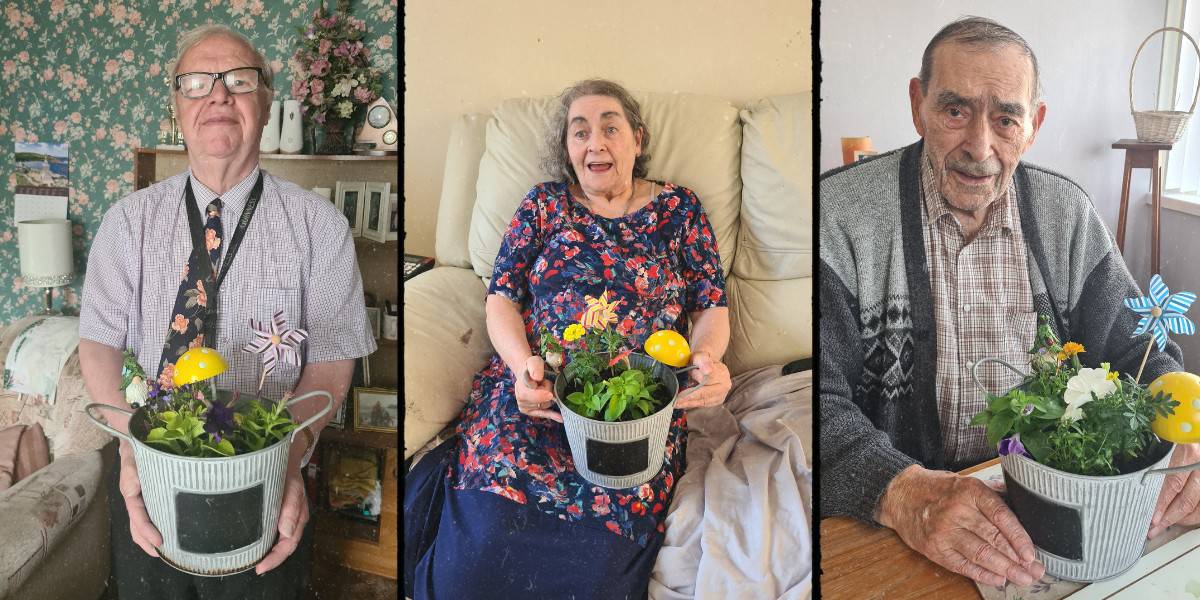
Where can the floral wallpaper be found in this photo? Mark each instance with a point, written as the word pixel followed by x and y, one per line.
pixel 91 74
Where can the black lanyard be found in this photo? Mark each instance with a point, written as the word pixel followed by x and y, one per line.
pixel 205 261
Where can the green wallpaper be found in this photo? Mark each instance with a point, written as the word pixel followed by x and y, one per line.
pixel 91 74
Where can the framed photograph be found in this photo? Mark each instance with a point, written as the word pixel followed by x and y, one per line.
pixel 350 485
pixel 376 409
pixel 394 220
pixel 375 211
pixel 349 201
pixel 373 320
pixel 339 418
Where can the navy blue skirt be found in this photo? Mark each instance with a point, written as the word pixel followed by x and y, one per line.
pixel 465 544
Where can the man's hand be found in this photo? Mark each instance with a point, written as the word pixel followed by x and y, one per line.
pixel 961 524
pixel 141 529
pixel 293 516
pixel 1180 495
pixel 712 383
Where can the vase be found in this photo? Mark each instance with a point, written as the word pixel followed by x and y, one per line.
pixel 621 454
pixel 217 516
pixel 291 139
pixel 269 144
pixel 333 137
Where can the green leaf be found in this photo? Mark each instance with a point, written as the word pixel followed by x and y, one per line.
pixel 155 434
pixel 981 418
pixel 1035 442
pixel 999 427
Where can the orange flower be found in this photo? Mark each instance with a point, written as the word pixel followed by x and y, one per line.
pixel 198 342
pixel 211 241
pixel 1070 349
pixel 201 295
pixel 166 380
pixel 180 323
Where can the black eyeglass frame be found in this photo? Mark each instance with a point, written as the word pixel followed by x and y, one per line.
pixel 221 76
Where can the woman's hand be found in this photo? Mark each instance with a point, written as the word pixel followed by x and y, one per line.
pixel 712 383
pixel 533 392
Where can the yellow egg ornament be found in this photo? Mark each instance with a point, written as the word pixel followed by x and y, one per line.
pixel 669 348
pixel 1183 427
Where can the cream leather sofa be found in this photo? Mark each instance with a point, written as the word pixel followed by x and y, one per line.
pixel 751 168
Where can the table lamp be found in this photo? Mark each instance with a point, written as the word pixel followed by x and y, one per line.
pixel 46 262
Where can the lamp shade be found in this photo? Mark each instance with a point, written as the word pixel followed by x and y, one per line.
pixel 45 246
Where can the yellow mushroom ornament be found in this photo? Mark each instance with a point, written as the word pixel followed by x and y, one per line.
pixel 669 348
pixel 1183 427
pixel 199 364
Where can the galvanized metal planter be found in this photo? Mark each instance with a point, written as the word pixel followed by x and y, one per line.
pixel 217 516
pixel 620 454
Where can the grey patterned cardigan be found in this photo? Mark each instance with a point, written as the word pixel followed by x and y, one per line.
pixel 878 410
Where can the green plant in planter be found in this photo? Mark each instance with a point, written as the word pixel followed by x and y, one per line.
pixel 1072 418
pixel 597 367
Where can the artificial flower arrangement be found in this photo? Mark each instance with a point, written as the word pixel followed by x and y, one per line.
pixel 331 71
pixel 602 383
pixel 187 417
pixel 1088 421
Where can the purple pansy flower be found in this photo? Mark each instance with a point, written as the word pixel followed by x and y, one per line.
pixel 218 420
pixel 1013 445
pixel 1028 410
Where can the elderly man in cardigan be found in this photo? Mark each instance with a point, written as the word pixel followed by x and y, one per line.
pixel 937 255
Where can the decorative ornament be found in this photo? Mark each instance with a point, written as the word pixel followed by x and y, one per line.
pixel 276 344
pixel 1161 312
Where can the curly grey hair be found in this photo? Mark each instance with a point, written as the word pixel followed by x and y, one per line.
pixel 193 37
pixel 555 159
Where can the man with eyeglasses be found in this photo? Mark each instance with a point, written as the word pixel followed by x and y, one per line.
pixel 188 262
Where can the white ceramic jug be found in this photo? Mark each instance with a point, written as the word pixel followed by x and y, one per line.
pixel 270 135
pixel 290 135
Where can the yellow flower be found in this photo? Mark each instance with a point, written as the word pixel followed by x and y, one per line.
pixel 574 332
pixel 1112 376
pixel 1072 348
pixel 600 312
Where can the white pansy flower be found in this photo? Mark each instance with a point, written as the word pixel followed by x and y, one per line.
pixel 1080 389
pixel 136 391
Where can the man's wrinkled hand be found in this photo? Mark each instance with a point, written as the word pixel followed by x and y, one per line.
pixel 293 516
pixel 961 524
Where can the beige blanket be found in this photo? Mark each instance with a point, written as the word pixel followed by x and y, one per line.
pixel 740 525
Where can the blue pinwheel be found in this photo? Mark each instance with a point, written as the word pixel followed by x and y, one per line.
pixel 1162 311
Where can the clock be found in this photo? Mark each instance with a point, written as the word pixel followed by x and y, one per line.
pixel 379 134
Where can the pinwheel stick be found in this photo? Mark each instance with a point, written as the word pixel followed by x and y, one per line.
pixel 263 378
pixel 1144 358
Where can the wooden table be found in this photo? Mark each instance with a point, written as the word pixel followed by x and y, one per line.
pixel 859 561
pixel 1143 155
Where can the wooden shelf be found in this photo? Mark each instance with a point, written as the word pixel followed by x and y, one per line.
pixel 265 156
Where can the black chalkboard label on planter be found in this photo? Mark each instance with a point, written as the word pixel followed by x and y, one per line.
pixel 1055 528
pixel 214 523
pixel 615 460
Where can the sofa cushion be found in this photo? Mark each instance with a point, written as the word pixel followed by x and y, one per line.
pixel 458 190
pixel 694 142
pixel 775 240
pixel 770 322
pixel 23 450
pixel 445 344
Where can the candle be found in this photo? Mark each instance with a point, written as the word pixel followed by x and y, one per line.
pixel 850 144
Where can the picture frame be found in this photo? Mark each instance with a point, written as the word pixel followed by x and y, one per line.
pixel 349 200
pixel 376 409
pixel 339 418
pixel 373 318
pixel 376 213
pixel 394 220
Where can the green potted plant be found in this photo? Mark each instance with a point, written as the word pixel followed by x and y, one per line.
pixel 1081 451
pixel 212 463
pixel 616 403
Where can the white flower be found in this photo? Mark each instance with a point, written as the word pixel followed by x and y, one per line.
pixel 554 359
pixel 345 109
pixel 343 87
pixel 135 392
pixel 1080 389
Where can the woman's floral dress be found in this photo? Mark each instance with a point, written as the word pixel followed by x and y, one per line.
pixel 661 262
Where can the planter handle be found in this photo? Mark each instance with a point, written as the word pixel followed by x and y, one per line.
pixel 975 374
pixel 105 426
pixel 312 419
pixel 1168 470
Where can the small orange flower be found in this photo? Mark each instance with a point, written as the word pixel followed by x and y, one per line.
pixel 166 379
pixel 180 323
pixel 201 295
pixel 211 241
pixel 1070 349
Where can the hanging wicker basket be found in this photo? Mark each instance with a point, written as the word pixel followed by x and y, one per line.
pixel 1162 126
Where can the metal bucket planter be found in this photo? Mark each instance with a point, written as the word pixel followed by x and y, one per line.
pixel 620 454
pixel 1085 528
pixel 217 516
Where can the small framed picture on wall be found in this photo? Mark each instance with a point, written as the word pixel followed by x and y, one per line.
pixel 349 200
pixel 376 409
pixel 376 215
pixel 394 219
pixel 373 321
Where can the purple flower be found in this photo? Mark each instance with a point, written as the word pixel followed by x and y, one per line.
pixel 218 420
pixel 1012 445
pixel 1028 410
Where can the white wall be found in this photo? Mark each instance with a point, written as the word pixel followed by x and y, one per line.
pixel 1085 48
pixel 468 55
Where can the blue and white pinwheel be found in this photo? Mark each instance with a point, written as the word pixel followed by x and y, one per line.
pixel 1162 311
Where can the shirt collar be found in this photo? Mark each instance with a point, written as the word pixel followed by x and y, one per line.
pixel 232 201
pixel 936 207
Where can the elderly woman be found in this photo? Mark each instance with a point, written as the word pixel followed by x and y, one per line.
pixel 515 515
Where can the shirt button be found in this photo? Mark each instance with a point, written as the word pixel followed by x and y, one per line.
pixel 966 308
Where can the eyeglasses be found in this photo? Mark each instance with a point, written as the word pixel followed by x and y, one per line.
pixel 241 80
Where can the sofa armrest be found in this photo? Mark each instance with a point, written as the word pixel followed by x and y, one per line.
pixel 39 511
pixel 445 344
